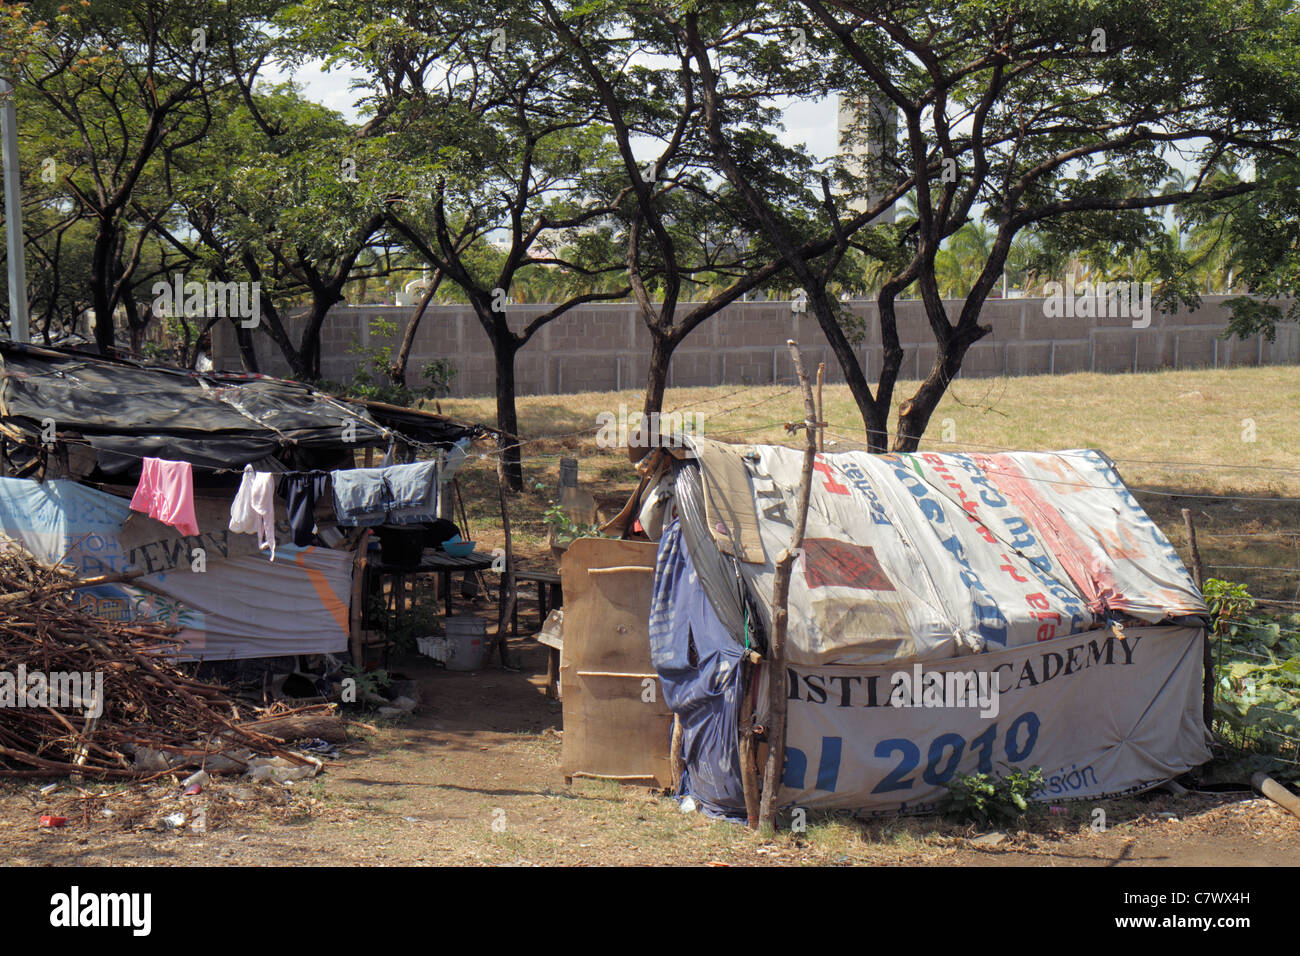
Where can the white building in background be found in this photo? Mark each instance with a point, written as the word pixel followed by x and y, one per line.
pixel 868 140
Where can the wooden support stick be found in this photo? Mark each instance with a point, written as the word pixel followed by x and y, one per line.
pixel 509 595
pixel 356 612
pixel 74 585
pixel 748 745
pixel 821 422
pixel 776 684
pixel 1198 575
pixel 1207 652
pixel 1279 794
pixel 676 757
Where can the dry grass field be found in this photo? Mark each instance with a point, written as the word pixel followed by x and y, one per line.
pixel 473 777
pixel 1176 436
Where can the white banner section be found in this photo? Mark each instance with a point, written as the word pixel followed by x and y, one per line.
pixel 1100 715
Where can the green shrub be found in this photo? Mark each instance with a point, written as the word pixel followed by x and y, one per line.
pixel 1257 668
pixel 988 799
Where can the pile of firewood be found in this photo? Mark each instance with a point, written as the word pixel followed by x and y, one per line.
pixel 147 706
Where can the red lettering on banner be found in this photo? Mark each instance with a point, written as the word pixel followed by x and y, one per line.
pixel 983 530
pixel 1011 570
pixel 832 563
pixel 830 484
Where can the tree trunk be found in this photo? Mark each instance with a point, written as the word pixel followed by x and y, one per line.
pixel 661 355
pixel 914 414
pixel 102 261
pixel 136 325
pixel 504 349
pixel 874 417
pixel 270 319
pixel 953 343
pixel 397 373
pixel 778 676
pixel 247 351
pixel 309 349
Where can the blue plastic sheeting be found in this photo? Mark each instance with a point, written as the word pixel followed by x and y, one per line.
pixel 699 669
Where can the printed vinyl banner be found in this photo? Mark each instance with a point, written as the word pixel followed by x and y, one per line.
pixel 1100 715
pixel 241 605
pixel 926 556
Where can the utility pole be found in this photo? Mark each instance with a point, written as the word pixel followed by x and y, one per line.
pixel 18 330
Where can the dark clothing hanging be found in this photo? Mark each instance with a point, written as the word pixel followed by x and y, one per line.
pixel 300 489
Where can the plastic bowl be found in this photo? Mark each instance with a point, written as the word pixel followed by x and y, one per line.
pixel 458 549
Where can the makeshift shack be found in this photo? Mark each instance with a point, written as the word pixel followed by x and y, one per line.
pixel 76 432
pixel 948 613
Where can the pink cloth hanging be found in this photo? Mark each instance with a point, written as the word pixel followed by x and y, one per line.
pixel 166 494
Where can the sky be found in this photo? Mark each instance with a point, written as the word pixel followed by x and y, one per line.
pixel 807 122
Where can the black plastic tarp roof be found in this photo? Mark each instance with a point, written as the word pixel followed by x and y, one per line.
pixel 421 426
pixel 128 410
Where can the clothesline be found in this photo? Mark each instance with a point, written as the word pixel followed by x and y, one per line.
pixel 404 494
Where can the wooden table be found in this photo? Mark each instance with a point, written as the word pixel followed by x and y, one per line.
pixel 440 562
pixel 549 594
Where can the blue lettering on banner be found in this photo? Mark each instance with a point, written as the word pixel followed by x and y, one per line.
pixel 937 775
pixel 796 768
pixel 988 492
pixel 1165 549
pixel 897 779
pixel 1066 781
pixel 857 478
pixel 932 510
pixel 828 770
pixel 828 767
pixel 1023 540
pixel 1017 752
pixel 932 774
pixel 990 622
pixel 943 756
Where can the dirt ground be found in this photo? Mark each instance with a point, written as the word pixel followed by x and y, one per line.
pixel 473 777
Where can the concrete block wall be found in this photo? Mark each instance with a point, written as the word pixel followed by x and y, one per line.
pixel 603 346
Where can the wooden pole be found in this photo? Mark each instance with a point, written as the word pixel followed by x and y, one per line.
pixel 821 421
pixel 774 770
pixel 748 743
pixel 508 595
pixel 1198 575
pixel 359 596
pixel 676 755
pixel 1207 652
pixel 1279 794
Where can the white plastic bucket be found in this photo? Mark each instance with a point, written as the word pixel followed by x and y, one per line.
pixel 466 642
